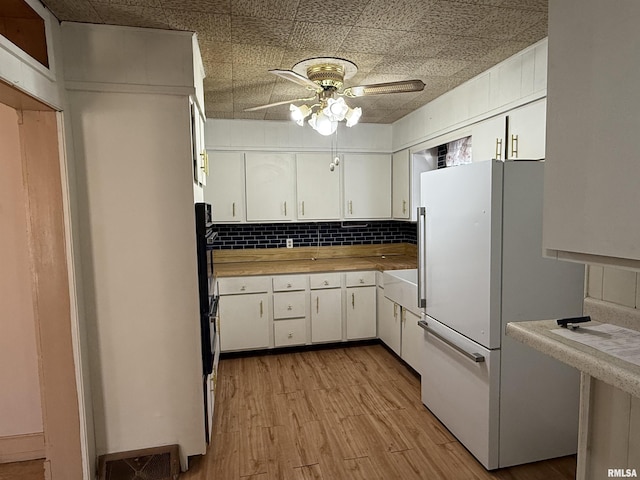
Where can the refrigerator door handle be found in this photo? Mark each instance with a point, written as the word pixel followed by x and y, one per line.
pixel 476 357
pixel 422 251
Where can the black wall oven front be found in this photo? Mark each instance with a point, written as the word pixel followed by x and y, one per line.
pixel 206 285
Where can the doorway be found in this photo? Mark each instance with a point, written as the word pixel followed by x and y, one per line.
pixel 36 297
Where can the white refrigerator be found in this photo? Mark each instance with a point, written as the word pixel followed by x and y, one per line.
pixel 480 267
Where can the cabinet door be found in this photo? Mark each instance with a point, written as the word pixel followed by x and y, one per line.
pixel 367 186
pixel 487 139
pixel 244 322
pixel 318 188
pixel 270 184
pixel 388 322
pixel 401 191
pixel 412 340
pixel 527 127
pixel 225 189
pixel 326 315
pixel 361 312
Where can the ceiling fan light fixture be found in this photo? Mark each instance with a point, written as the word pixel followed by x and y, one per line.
pixel 298 114
pixel 322 124
pixel 336 109
pixel 353 116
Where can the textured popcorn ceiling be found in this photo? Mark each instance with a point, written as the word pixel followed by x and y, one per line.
pixel 441 42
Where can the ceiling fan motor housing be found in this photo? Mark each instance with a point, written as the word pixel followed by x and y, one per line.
pixel 329 76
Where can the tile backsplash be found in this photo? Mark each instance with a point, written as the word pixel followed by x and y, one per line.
pixel 324 234
pixel 614 285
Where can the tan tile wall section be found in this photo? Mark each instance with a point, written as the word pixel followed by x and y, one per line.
pixel 614 285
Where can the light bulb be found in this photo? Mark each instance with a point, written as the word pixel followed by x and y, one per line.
pixel 336 109
pixel 353 115
pixel 298 114
pixel 323 124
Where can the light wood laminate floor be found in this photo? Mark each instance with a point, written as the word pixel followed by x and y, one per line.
pixel 347 413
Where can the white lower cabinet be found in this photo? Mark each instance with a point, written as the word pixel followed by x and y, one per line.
pixel 389 322
pixel 244 313
pixel 361 312
pixel 285 310
pixel 412 340
pixel 290 331
pixel 326 315
pixel 244 321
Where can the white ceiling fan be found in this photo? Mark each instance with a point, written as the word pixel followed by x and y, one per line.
pixel 325 76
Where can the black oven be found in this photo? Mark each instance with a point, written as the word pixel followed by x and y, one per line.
pixel 205 236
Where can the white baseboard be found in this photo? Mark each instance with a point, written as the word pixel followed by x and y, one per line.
pixel 19 448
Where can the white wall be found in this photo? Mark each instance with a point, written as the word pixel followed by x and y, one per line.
pixel 221 134
pixel 129 91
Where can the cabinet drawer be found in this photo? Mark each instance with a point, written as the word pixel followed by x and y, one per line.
pixel 285 283
pixel 289 305
pixel 324 280
pixel 360 279
pixel 290 332
pixel 234 285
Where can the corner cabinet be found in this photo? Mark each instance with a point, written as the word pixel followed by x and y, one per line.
pixel 407 167
pixel 270 186
pixel 225 189
pixel 367 186
pixel 244 313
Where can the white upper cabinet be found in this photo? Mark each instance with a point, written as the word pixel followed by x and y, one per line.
pixel 407 167
pixel 401 203
pixel 225 188
pixel 367 186
pixel 591 193
pixel 487 139
pixel 270 183
pixel 318 188
pixel 527 124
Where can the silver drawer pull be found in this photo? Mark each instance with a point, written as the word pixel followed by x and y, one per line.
pixel 326 282
pixel 476 357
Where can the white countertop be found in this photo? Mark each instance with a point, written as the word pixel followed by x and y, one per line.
pixel 612 370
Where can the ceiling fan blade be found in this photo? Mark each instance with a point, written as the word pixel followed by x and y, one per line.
pixel 296 78
pixel 380 88
pixel 268 105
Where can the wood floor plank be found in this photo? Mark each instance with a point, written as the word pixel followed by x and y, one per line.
pixel 253 453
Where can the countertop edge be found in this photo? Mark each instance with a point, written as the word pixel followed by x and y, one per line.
pixel 595 363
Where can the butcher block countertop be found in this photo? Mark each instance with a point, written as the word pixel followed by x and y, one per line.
pixel 275 261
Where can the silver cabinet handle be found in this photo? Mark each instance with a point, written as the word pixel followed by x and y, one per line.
pixel 353 300
pixel 261 310
pixel 422 251
pixel 498 149
pixel 514 146
pixel 303 208
pixel 350 207
pixel 476 357
pixel 318 304
pixel 233 209
pixel 404 207
pixel 285 209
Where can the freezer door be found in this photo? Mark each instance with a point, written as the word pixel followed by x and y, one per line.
pixel 462 389
pixel 462 248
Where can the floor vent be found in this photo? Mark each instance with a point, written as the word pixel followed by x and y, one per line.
pixel 157 463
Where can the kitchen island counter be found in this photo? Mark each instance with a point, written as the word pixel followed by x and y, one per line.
pixel 596 363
